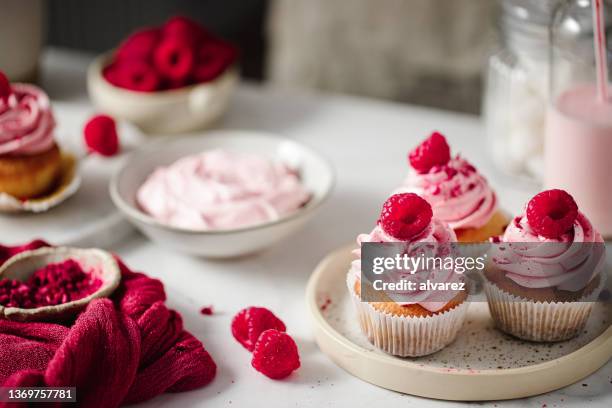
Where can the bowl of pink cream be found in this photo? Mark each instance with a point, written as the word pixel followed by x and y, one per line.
pixel 222 194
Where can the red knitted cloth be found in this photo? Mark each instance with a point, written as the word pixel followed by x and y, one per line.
pixel 122 350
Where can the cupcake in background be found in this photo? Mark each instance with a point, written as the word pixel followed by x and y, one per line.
pixel 546 270
pixel 421 322
pixel 459 195
pixel 30 160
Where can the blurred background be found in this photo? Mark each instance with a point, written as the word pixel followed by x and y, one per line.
pixel 426 52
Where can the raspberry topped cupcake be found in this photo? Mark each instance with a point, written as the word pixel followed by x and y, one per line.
pixel 30 161
pixel 459 195
pixel 422 321
pixel 546 270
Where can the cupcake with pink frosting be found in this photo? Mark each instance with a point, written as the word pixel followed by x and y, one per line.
pixel 417 322
pixel 459 195
pixel 30 160
pixel 545 271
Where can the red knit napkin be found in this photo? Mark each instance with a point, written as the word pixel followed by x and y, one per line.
pixel 122 350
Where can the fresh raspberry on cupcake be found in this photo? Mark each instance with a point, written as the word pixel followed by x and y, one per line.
pixel 433 151
pixel 5 87
pixel 404 216
pixel 552 213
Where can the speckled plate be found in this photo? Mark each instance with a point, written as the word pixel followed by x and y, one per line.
pixel 482 363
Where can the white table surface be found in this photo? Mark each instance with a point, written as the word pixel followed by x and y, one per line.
pixel 367 142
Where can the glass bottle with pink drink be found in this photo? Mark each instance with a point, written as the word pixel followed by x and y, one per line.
pixel 578 141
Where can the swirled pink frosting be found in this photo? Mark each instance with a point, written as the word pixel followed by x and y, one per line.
pixel 26 121
pixel 219 189
pixel 457 192
pixel 436 232
pixel 533 261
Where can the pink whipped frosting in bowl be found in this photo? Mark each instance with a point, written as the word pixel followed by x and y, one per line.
pixel 568 263
pixel 26 121
pixel 223 193
pixel 222 189
pixel 459 195
pixel 438 233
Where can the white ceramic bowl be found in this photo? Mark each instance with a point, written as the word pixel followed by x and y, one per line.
pixel 174 111
pixel 315 172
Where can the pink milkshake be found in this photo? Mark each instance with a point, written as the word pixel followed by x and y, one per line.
pixel 578 152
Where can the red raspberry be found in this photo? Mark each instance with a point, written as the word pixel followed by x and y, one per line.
pixel 249 323
pixel 405 215
pixel 134 75
pixel 275 355
pixel 5 86
pixel 184 28
pixel 433 151
pixel 207 310
pixel 174 59
pixel 213 57
pixel 139 45
pixel 552 213
pixel 101 135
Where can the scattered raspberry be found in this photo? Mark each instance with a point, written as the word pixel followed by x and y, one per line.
pixel 249 323
pixel 405 215
pixel 101 135
pixel 552 213
pixel 184 28
pixel 207 310
pixel 433 151
pixel 275 354
pixel 173 59
pixel 139 45
pixel 5 86
pixel 134 75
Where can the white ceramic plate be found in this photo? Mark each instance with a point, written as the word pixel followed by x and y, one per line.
pixel 482 363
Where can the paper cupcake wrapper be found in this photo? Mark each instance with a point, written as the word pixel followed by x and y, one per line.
pixel 407 336
pixel 538 321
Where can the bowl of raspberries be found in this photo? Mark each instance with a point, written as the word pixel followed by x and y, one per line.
pixel 174 78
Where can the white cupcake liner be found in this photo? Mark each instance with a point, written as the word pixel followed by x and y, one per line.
pixel 407 336
pixel 538 321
